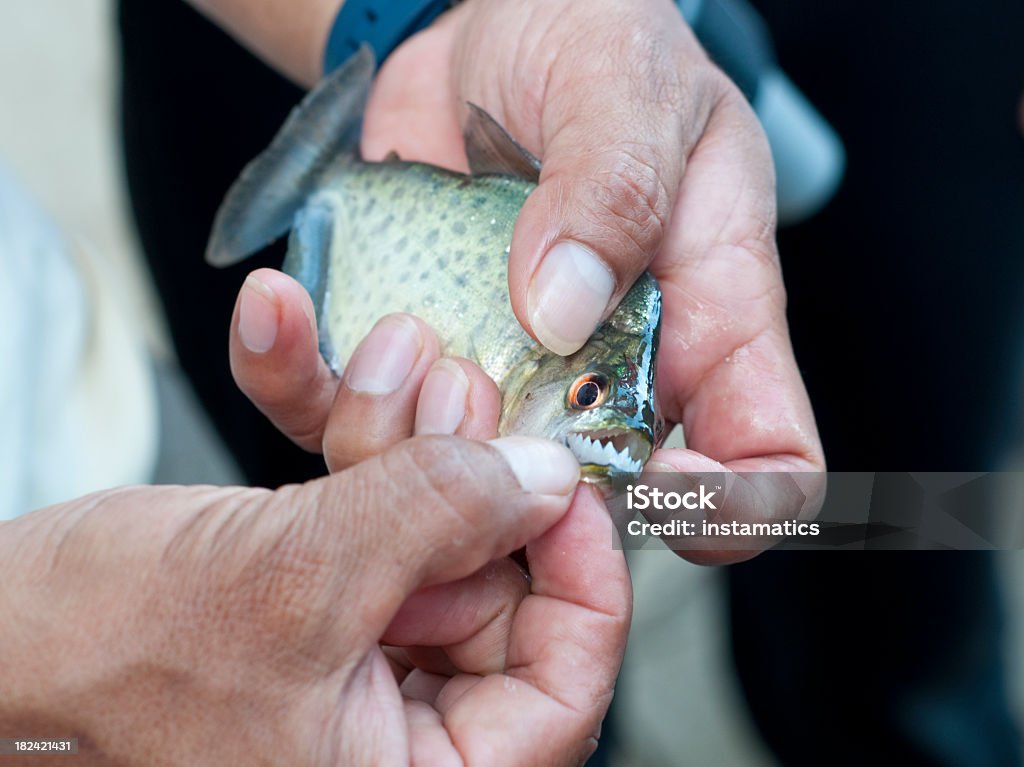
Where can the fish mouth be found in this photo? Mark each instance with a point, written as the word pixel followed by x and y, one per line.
pixel 612 451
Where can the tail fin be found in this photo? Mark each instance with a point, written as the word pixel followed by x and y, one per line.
pixel 262 203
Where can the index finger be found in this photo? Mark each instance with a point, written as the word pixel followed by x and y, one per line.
pixel 726 366
pixel 565 649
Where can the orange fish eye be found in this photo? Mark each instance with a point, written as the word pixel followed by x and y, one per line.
pixel 588 391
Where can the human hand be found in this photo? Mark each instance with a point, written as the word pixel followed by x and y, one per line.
pixel 227 626
pixel 395 386
pixel 652 159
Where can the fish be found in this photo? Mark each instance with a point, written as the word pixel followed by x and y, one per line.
pixel 371 238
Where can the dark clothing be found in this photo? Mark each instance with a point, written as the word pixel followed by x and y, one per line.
pixel 906 306
pixel 196 108
pixel 906 299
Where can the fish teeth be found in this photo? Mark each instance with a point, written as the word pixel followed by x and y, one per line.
pixel 593 451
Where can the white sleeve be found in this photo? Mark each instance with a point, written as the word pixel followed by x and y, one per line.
pixel 77 400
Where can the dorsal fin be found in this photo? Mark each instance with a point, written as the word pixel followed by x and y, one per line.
pixel 492 151
pixel 262 203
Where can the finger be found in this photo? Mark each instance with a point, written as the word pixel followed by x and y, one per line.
pixel 275 358
pixel 375 404
pixel 470 618
pixel 457 397
pixel 353 546
pixel 726 366
pixel 566 647
pixel 428 741
pixel 616 131
pixel 761 490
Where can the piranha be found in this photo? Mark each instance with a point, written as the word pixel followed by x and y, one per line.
pixel 368 239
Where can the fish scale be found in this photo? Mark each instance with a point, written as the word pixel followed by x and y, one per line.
pixel 463 297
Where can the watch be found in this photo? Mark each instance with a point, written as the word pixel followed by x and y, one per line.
pixel 381 24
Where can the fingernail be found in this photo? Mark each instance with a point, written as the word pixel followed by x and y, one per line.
pixel 569 293
pixel 257 316
pixel 540 465
pixel 384 359
pixel 442 403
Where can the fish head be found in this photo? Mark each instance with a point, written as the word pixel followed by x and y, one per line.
pixel 600 401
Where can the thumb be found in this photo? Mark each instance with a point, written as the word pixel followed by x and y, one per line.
pixel 429 510
pixel 615 142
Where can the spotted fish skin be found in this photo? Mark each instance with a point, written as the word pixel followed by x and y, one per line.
pixel 370 239
pixel 415 238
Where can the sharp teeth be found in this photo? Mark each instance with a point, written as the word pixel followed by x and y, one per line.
pixel 589 450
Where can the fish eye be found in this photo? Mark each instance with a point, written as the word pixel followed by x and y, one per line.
pixel 588 391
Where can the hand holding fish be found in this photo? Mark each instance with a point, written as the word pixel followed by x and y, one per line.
pixel 651 160
pixel 213 626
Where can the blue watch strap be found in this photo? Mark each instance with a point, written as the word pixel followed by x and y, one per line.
pixel 382 24
pixel 735 37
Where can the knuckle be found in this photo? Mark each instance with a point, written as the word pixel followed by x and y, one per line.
pixel 721 85
pixel 761 251
pixel 652 62
pixel 633 196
